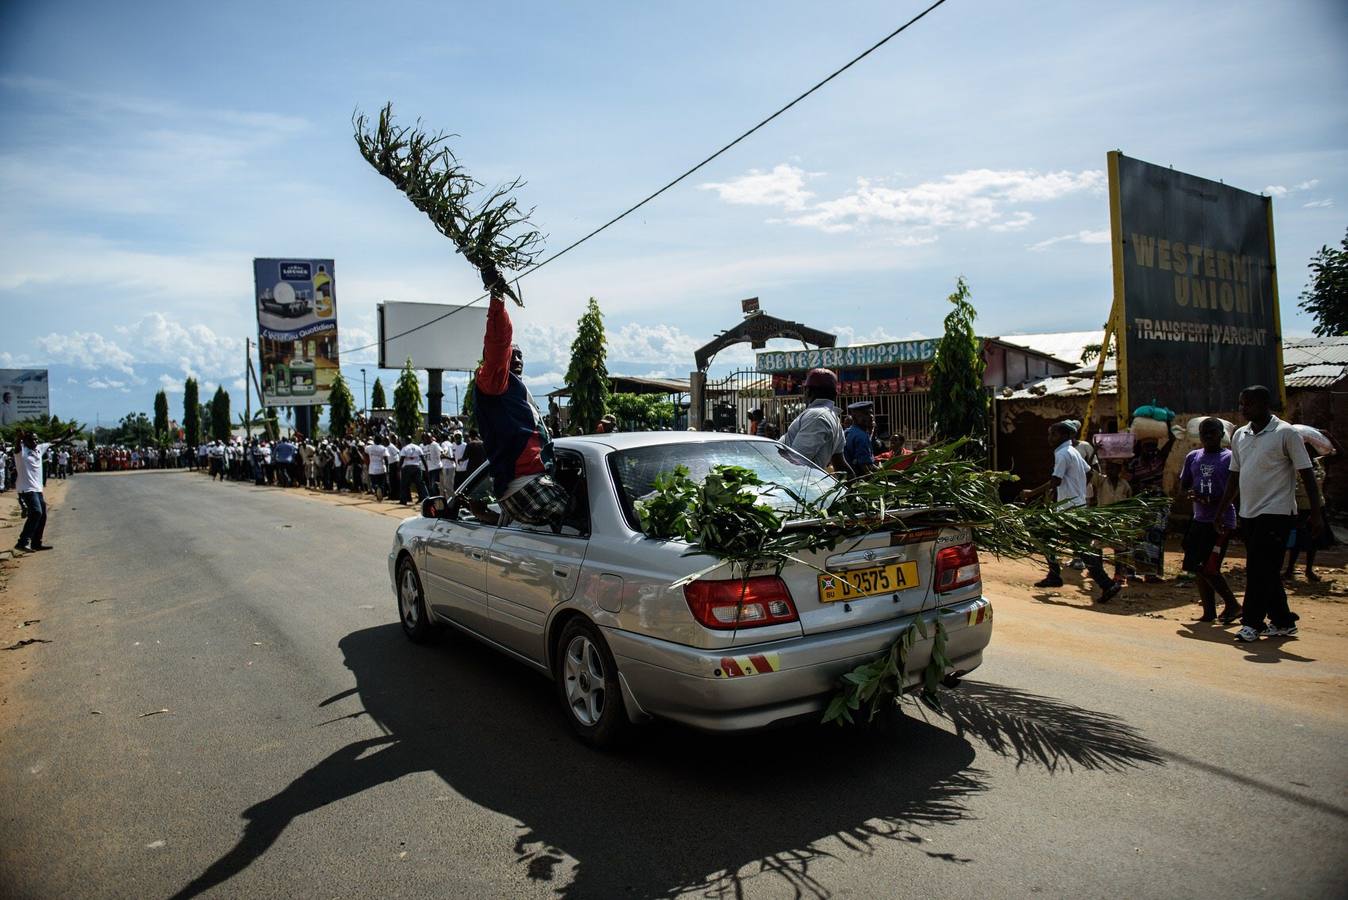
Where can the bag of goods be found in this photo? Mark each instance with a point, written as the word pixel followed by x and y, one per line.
pixel 1314 437
pixel 1114 446
pixel 1197 421
pixel 1159 413
pixel 1148 429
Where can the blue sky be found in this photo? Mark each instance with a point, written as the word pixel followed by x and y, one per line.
pixel 149 151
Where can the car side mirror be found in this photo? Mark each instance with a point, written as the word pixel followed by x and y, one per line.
pixel 433 507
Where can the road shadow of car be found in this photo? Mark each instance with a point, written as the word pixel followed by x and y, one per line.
pixel 678 810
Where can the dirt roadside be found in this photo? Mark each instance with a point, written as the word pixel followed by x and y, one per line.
pixel 20 628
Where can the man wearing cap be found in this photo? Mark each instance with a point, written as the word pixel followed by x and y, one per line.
pixel 857 447
pixel 516 440
pixel 817 433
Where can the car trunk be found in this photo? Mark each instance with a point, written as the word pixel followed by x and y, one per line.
pixel 888 574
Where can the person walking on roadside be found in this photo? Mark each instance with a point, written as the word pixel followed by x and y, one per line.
pixel 376 466
pixel 1267 455
pixel 1204 476
pixel 410 474
pixel 1068 483
pixel 28 455
pixel 817 433
pixel 430 453
pixel 475 453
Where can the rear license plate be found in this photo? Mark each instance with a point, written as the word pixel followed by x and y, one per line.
pixel 867 582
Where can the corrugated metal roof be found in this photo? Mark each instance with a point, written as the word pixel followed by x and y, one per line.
pixel 1314 376
pixel 1315 351
pixel 1061 386
pixel 1063 345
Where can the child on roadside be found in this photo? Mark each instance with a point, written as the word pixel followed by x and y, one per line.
pixel 1110 487
pixel 1204 477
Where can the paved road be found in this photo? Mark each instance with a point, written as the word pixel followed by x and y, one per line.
pixel 309 750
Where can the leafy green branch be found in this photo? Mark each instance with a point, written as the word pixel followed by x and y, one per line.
pixel 486 225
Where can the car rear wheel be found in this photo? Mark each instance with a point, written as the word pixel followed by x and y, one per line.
pixel 412 605
pixel 587 685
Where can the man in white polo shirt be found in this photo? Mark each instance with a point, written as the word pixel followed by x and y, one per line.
pixel 430 453
pixel 1068 482
pixel 28 461
pixel 1266 456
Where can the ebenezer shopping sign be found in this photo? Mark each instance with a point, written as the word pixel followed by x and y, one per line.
pixel 1196 301
pixel 890 354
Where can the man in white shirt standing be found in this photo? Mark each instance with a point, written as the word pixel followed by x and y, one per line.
pixel 410 473
pixel 1266 456
pixel 456 450
pixel 817 433
pixel 28 460
pixel 430 452
pixel 1068 482
pixel 376 466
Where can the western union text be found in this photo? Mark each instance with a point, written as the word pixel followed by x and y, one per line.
pixel 1205 277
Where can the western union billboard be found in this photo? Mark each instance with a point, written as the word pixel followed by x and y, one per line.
pixel 1196 300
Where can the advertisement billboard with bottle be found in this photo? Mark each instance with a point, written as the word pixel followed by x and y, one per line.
pixel 296 330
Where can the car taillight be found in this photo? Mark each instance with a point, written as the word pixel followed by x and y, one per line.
pixel 956 567
pixel 740 603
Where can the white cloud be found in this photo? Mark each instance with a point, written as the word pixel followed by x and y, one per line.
pixel 195 349
pixel 977 198
pixel 1080 237
pixel 1318 204
pixel 87 350
pixel 101 384
pixel 784 186
pixel 1278 190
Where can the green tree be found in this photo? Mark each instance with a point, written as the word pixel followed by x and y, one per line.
pixel 587 376
pixel 191 413
pixel 135 430
pixel 407 402
pixel 377 400
pixel 1326 297
pixel 273 424
pixel 341 407
pixel 161 413
pixel 958 402
pixel 220 418
pixel 641 412
pixel 46 427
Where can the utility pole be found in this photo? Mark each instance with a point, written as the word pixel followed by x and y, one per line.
pixel 247 392
pixel 364 396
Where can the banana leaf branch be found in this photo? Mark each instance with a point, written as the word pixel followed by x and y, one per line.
pixel 487 226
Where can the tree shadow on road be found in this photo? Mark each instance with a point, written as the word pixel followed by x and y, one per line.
pixel 1045 730
pixel 677 811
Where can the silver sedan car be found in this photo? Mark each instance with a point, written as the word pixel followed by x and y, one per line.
pixel 591 604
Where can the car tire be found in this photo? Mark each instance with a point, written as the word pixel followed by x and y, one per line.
pixel 587 686
pixel 412 613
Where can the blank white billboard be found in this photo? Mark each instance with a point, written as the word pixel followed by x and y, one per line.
pixel 433 335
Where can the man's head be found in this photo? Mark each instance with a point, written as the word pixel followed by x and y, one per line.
pixel 756 414
pixel 1256 403
pixel 896 442
pixel 1059 432
pixel 862 413
pixel 607 425
pixel 821 384
pixel 9 396
pixel 1211 432
pixel 1113 468
pixel 473 434
pixel 28 439
pixel 457 437
pixel 516 361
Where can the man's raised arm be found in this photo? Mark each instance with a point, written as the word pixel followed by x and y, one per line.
pixel 494 374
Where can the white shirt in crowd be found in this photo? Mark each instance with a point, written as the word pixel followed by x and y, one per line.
pixel 63 458
pixel 1268 461
pixel 411 454
pixel 29 468
pixel 1070 470
pixel 378 464
pixel 431 450
pixel 459 453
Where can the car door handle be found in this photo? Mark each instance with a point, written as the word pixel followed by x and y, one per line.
pixel 561 571
pixel 476 554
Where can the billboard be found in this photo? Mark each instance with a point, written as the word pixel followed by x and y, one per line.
pixel 23 395
pixel 432 335
pixel 296 330
pixel 1195 298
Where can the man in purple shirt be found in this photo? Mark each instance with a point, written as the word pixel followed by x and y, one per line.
pixel 1204 478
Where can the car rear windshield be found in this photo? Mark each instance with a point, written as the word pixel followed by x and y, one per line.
pixel 634 471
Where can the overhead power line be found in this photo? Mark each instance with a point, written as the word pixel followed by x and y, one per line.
pixel 647 199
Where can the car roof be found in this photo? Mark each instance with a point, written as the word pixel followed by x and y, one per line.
pixel 628 440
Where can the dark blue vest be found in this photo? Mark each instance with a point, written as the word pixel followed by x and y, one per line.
pixel 507 421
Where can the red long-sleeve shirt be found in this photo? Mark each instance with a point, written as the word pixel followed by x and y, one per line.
pixel 493 377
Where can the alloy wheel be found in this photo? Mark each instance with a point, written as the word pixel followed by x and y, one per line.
pixel 583 670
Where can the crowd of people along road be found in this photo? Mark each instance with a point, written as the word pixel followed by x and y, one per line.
pixel 1266 488
pixel 372 460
